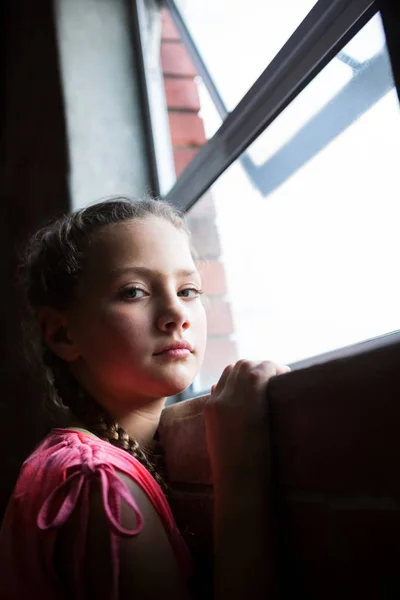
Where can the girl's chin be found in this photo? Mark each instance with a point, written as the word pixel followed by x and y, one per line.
pixel 174 385
pixel 176 388
pixel 175 380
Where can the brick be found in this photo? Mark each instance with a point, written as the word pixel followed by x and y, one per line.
pixel 183 157
pixel 213 277
pixel 186 129
pixel 220 353
pixel 205 237
pixel 168 29
pixel 181 93
pixel 219 318
pixel 176 61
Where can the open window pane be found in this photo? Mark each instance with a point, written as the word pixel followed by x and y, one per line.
pixel 357 78
pixel 237 40
pixel 311 264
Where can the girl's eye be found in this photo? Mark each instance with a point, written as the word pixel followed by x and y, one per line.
pixel 190 293
pixel 132 293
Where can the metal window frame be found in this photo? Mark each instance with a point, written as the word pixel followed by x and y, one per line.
pixel 137 18
pixel 343 13
pixel 371 80
pixel 363 347
pixel 323 33
pixel 380 341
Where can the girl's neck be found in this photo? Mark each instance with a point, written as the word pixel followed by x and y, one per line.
pixel 139 416
pixel 141 424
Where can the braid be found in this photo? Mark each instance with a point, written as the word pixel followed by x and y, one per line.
pixel 84 407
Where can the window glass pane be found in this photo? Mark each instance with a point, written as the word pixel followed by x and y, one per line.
pixel 338 84
pixel 302 247
pixel 237 40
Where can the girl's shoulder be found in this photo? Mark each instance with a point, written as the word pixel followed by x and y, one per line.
pixel 55 485
pixel 73 446
pixel 58 476
pixel 68 453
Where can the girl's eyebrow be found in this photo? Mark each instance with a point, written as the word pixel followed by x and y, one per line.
pixel 146 272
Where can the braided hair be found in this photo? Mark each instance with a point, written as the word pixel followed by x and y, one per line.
pixel 53 263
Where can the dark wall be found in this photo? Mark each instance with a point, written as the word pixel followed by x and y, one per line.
pixel 336 450
pixel 33 188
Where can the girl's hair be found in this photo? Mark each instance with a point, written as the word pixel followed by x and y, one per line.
pixel 53 263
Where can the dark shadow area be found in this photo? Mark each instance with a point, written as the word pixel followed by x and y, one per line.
pixel 34 189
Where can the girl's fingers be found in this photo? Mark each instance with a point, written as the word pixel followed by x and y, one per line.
pixel 222 380
pixel 233 374
pixel 240 373
pixel 270 368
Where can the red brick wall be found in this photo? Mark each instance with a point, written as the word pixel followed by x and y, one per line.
pixel 187 137
pixel 186 126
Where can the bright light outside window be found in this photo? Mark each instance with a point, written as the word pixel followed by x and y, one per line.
pixel 369 43
pixel 312 264
pixel 237 40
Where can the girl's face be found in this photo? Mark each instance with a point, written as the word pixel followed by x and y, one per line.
pixel 138 295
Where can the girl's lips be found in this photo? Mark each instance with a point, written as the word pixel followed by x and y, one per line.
pixel 174 353
pixel 178 345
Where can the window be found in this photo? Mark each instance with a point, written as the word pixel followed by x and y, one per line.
pixel 292 200
pixel 310 265
pixel 237 40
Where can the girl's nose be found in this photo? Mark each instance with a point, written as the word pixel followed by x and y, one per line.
pixel 174 317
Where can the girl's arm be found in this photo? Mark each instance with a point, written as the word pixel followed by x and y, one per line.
pixel 147 565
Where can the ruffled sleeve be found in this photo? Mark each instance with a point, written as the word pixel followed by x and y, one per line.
pixel 63 499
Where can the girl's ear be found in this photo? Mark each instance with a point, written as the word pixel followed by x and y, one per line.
pixel 54 327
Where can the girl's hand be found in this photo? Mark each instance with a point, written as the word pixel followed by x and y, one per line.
pixel 236 418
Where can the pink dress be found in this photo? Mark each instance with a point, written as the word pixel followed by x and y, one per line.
pixel 52 480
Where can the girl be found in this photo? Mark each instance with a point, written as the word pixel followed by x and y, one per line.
pixel 116 318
